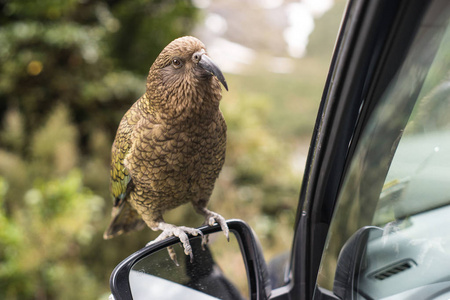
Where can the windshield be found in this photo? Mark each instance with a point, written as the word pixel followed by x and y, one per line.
pixel 391 220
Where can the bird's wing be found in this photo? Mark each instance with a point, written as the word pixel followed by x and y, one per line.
pixel 120 175
pixel 124 217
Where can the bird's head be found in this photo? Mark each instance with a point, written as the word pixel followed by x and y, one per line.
pixel 185 64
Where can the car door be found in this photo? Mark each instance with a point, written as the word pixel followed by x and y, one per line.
pixel 390 58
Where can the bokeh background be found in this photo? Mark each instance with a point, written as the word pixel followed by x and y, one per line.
pixel 69 70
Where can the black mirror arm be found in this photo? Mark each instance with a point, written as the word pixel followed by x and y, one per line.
pixel 256 264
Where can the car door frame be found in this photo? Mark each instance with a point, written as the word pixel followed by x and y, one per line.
pixel 371 46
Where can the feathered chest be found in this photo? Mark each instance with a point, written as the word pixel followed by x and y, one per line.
pixel 177 152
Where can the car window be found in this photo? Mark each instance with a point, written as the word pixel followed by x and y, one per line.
pixel 389 235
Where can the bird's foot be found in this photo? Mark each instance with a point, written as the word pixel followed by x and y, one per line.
pixel 210 219
pixel 182 233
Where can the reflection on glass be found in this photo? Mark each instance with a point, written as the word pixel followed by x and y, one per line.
pixel 217 272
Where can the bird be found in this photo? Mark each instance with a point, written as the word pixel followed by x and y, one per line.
pixel 170 145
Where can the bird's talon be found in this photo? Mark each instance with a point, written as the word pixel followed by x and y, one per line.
pixel 197 233
pixel 226 231
pixel 187 250
pixel 175 260
pixel 205 240
pixel 173 255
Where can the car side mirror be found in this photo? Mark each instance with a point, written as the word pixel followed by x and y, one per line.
pixel 350 259
pixel 218 271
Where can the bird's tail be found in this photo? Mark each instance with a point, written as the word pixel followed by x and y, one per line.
pixel 124 219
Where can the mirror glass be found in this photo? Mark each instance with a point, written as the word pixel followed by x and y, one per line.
pixel 217 272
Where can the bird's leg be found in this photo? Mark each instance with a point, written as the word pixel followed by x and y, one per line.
pixel 179 231
pixel 211 218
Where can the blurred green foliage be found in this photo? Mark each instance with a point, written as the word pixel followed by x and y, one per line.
pixel 40 243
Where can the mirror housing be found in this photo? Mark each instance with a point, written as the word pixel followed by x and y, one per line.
pixel 257 272
pixel 349 261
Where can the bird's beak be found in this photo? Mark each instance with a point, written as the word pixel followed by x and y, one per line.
pixel 208 65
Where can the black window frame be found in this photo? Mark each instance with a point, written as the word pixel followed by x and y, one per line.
pixel 372 43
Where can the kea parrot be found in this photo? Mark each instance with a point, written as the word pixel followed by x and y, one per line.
pixel 170 145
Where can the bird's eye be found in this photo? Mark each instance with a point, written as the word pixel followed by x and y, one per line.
pixel 176 62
